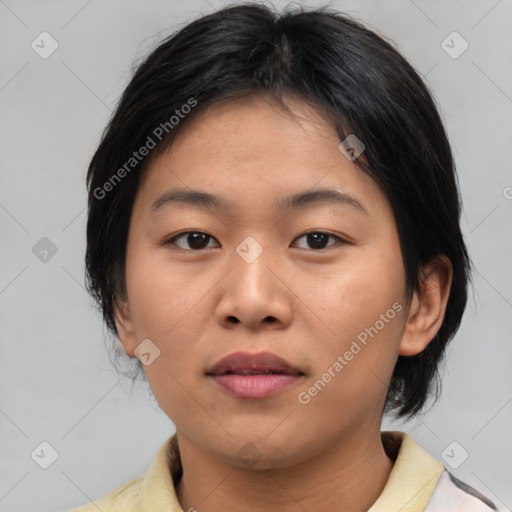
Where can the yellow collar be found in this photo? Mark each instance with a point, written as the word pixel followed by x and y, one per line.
pixel 409 487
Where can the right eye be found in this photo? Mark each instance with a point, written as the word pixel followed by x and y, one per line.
pixel 196 240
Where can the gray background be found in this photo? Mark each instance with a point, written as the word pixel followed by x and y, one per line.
pixel 57 383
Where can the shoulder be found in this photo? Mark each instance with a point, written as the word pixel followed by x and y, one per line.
pixel 124 498
pixel 147 492
pixel 418 482
pixel 451 494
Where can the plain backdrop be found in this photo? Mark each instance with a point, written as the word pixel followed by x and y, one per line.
pixel 57 383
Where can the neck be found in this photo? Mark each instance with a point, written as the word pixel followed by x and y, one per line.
pixel 349 475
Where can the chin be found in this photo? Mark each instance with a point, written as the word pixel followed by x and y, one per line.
pixel 266 452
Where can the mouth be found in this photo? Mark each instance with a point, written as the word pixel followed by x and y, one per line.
pixel 244 363
pixel 245 375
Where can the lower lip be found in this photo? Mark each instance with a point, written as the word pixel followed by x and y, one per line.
pixel 255 386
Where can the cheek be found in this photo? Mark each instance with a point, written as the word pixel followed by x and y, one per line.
pixel 362 291
pixel 362 309
pixel 160 294
pixel 170 307
pixel 166 308
pixel 355 363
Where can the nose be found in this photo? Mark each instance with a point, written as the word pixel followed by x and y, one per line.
pixel 254 293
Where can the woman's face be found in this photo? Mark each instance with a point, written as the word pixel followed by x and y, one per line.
pixel 206 280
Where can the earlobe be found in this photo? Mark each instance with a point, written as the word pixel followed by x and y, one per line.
pixel 124 326
pixel 428 306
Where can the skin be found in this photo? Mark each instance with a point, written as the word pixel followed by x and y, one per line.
pixel 303 303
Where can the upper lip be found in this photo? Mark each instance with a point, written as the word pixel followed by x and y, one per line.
pixel 262 362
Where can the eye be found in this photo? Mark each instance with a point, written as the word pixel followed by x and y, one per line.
pixel 197 240
pixel 318 239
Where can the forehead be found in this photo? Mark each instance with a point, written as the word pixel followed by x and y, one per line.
pixel 255 128
pixel 251 150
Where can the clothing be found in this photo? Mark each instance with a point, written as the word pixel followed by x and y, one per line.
pixel 417 483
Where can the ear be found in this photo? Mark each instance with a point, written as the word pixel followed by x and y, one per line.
pixel 428 306
pixel 124 327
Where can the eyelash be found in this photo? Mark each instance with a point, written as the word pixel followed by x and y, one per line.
pixel 171 241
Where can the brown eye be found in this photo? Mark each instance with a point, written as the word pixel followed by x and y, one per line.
pixel 318 239
pixel 196 240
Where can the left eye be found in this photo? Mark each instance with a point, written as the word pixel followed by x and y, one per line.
pixel 198 240
pixel 318 239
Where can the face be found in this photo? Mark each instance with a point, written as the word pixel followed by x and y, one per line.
pixel 318 282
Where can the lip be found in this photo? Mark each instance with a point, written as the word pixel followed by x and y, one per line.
pixel 245 375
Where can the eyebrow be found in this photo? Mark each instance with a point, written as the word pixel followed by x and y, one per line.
pixel 295 201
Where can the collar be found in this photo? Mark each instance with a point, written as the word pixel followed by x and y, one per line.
pixel 410 484
pixel 413 478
